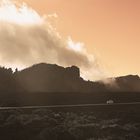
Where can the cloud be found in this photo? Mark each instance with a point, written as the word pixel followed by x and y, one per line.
pixel 27 38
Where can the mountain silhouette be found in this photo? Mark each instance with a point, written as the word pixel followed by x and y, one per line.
pixel 53 78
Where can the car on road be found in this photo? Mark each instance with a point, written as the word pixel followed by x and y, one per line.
pixel 110 102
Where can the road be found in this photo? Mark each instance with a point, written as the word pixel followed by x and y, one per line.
pixel 68 106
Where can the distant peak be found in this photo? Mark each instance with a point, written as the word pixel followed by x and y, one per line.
pixel 130 76
pixel 40 65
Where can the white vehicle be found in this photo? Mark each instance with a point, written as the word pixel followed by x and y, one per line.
pixel 110 102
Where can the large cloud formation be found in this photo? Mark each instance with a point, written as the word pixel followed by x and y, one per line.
pixel 27 38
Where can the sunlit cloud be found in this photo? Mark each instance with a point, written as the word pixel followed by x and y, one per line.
pixel 27 38
pixel 10 12
pixel 76 46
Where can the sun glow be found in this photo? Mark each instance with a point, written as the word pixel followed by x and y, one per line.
pixel 12 12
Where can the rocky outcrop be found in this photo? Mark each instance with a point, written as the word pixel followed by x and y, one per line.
pixel 49 78
pixel 73 72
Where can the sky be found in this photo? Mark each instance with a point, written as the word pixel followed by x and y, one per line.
pixel 110 29
pixel 104 35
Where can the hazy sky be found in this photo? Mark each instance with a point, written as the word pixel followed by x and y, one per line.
pixel 110 29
